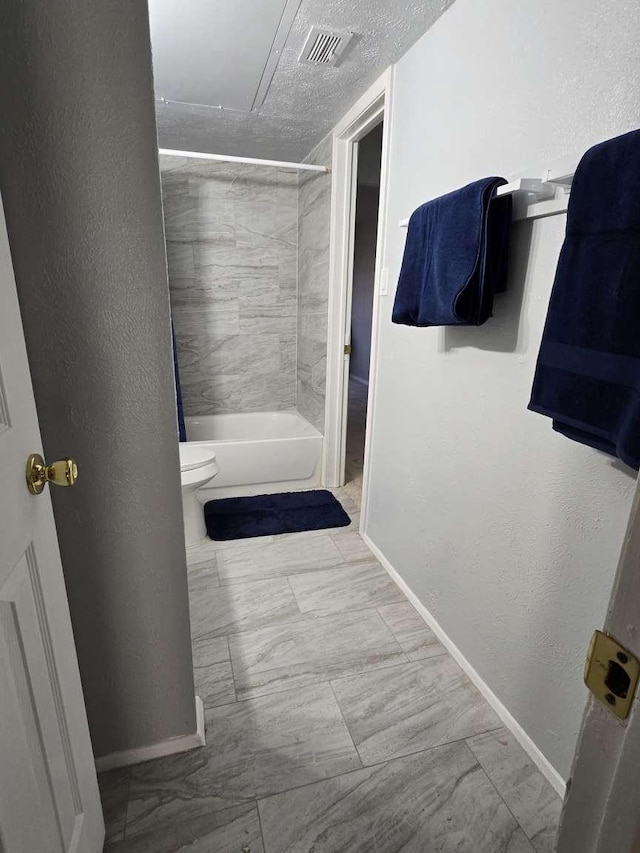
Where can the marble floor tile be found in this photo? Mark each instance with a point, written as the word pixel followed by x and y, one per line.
pixel 204 550
pixel 353 488
pixel 410 630
pixel 203 571
pixel 519 843
pixel 254 749
pixel 201 553
pixel 230 831
pixel 354 515
pixel 250 605
pixel 212 671
pixel 304 535
pixel 348 505
pixel 114 790
pixel 534 803
pixel 439 800
pixel 287 556
pixel 356 587
pixel 410 707
pixel 312 650
pixel 353 547
pixel 215 546
pixel 204 598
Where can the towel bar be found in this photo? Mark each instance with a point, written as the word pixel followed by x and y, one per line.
pixel 534 198
pixel 534 187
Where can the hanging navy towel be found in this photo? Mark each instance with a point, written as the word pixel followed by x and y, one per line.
pixel 455 258
pixel 588 373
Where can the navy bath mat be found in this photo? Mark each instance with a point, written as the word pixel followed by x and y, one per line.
pixel 266 515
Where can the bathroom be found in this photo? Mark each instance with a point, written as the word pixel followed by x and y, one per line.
pixel 187 197
pixel 252 290
pixel 244 269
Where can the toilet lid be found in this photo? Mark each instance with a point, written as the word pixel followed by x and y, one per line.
pixel 195 456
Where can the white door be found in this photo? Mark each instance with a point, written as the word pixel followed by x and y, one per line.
pixel 602 807
pixel 49 800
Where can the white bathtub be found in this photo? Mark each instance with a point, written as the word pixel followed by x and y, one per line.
pixel 259 452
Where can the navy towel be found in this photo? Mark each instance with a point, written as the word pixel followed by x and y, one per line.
pixel 455 258
pixel 588 373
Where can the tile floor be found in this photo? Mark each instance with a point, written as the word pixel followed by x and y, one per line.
pixel 336 722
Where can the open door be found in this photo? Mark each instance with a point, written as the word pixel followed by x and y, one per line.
pixel 49 800
pixel 602 808
pixel 362 119
pixel 360 299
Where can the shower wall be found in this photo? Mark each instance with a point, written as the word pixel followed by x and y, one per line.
pixel 232 253
pixel 313 284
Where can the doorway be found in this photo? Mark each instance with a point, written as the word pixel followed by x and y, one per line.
pixel 362 290
pixel 357 344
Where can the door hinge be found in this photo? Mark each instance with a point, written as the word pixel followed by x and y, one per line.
pixel 347 349
pixel 611 674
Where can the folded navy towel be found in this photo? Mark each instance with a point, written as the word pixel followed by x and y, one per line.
pixel 455 258
pixel 588 373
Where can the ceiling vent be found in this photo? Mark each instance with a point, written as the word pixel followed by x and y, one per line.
pixel 324 47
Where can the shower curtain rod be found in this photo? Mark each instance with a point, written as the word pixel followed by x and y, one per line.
pixel 308 167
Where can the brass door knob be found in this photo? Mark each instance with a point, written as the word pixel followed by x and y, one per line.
pixel 64 472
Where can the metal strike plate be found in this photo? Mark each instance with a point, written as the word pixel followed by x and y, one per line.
pixel 611 674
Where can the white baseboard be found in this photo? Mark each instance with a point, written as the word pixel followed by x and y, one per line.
pixel 182 743
pixel 543 764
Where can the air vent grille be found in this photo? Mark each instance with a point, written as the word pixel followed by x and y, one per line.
pixel 324 47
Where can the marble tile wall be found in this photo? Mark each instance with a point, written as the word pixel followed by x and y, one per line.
pixel 232 252
pixel 313 285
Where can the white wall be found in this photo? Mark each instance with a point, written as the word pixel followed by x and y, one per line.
pixel 508 532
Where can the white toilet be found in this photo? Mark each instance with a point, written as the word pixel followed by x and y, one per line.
pixel 197 467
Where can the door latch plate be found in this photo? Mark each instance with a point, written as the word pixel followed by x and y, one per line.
pixel 611 674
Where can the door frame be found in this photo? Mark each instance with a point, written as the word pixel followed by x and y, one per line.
pixel 600 812
pixel 373 106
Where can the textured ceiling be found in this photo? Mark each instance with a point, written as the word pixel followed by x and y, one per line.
pixel 215 52
pixel 303 102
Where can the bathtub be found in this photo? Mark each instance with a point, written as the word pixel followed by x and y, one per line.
pixel 258 452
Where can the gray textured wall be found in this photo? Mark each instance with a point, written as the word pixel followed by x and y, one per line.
pixel 232 243
pixel 81 190
pixel 314 212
